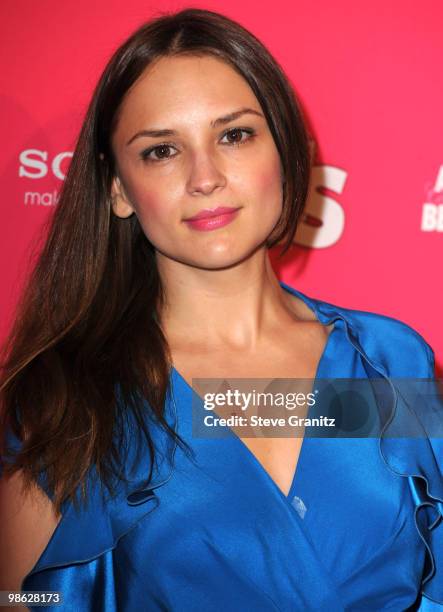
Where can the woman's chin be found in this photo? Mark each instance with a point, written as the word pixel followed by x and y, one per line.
pixel 219 259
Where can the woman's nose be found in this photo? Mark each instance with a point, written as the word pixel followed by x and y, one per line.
pixel 205 174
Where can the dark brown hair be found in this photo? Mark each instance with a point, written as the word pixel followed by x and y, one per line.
pixel 86 323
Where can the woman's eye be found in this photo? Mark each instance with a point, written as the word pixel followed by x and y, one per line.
pixel 235 135
pixel 161 152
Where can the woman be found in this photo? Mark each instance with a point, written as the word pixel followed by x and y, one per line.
pixel 192 161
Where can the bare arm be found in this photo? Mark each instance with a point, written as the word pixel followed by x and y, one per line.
pixel 27 522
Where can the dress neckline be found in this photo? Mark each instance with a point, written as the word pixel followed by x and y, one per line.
pixel 248 454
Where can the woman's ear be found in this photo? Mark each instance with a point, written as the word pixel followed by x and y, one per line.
pixel 120 203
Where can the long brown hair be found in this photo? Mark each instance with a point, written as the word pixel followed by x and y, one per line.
pixel 85 349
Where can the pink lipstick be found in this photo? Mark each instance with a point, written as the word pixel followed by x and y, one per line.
pixel 210 219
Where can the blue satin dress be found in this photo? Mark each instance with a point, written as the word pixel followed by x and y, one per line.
pixel 361 527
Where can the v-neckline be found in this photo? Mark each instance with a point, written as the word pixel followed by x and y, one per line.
pixel 249 455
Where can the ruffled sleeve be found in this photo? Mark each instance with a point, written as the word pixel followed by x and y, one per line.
pixel 91 531
pixel 394 350
pixel 415 407
pixel 425 475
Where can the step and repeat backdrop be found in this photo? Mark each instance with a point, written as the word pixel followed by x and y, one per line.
pixel 370 81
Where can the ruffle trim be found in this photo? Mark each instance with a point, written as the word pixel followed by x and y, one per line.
pixel 82 536
pixel 412 458
pixel 102 525
pixel 415 459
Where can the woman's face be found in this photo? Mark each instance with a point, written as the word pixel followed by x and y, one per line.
pixel 202 159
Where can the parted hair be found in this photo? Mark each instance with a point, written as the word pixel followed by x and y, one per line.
pixel 85 349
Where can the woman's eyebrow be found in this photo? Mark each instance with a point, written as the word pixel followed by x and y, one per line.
pixel 160 133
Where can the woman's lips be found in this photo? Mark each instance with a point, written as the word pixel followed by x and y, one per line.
pixel 213 221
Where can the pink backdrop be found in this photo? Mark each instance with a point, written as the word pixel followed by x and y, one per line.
pixel 369 76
